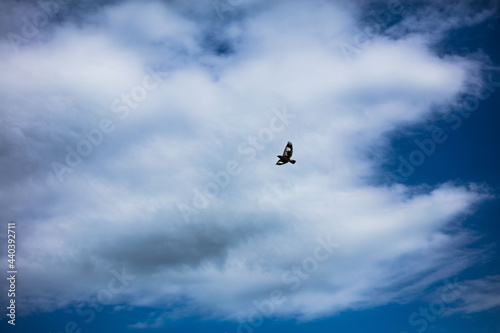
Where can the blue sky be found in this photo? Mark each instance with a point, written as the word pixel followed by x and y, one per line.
pixel 138 146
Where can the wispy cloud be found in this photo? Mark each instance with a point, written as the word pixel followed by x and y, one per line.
pixel 478 295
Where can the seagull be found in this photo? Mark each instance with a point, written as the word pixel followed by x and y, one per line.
pixel 287 153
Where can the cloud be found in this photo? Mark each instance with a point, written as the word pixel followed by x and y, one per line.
pixel 153 323
pixel 217 99
pixel 478 295
pixel 434 20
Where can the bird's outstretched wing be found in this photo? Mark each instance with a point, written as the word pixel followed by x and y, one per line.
pixel 288 150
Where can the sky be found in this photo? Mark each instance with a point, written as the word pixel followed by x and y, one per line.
pixel 138 150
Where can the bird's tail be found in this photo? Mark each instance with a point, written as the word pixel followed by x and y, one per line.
pixel 292 161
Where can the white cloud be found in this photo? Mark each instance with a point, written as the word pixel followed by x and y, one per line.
pixel 478 295
pixel 436 20
pixel 118 207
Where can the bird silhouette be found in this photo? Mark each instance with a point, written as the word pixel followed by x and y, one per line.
pixel 287 153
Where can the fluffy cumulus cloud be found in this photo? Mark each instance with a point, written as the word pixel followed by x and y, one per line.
pixel 139 139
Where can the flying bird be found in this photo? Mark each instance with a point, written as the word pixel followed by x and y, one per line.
pixel 287 153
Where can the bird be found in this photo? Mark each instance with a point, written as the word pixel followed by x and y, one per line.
pixel 287 153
